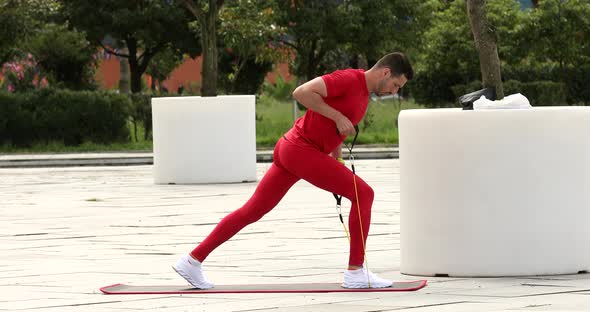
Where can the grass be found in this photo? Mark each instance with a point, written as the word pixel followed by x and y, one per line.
pixel 273 118
pixel 88 147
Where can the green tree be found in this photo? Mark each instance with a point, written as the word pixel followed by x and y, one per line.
pixel 206 13
pixel 12 27
pixel 145 28
pixel 64 56
pixel 315 28
pixel 330 34
pixel 448 56
pixel 559 32
pixel 385 26
pixel 18 19
pixel 249 37
pixel 163 64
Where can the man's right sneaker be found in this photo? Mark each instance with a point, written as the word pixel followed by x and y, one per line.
pixel 192 271
pixel 360 279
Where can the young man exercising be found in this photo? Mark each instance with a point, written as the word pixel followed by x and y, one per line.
pixel 311 150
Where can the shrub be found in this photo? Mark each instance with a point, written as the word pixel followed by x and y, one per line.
pixel 246 80
pixel 433 89
pixel 577 81
pixel 71 117
pixel 539 93
pixel 141 112
pixel 22 75
pixel 65 56
pixel 281 89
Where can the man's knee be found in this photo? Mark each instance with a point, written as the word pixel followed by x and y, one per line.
pixel 254 210
pixel 368 193
pixel 365 192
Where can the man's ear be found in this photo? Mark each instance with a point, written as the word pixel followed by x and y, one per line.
pixel 386 72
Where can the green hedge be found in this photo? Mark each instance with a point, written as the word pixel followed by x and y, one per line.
pixel 71 117
pixel 433 89
pixel 577 80
pixel 141 113
pixel 539 93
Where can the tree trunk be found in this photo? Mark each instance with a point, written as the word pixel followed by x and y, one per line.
pixel 209 44
pixel 124 74
pixel 485 41
pixel 134 71
pixel 310 70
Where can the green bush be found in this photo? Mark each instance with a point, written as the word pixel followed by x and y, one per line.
pixel 433 89
pixel 539 93
pixel 141 112
pixel 71 117
pixel 16 115
pixel 246 80
pixel 577 81
pixel 281 89
pixel 65 56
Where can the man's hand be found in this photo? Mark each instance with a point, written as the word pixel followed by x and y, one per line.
pixel 337 153
pixel 344 126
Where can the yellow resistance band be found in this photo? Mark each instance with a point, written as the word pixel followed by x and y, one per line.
pixel 358 206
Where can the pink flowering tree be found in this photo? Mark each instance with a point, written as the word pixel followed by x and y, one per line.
pixel 22 75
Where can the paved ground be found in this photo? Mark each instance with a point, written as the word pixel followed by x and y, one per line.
pixel 66 232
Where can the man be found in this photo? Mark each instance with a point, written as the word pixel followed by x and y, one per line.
pixel 310 151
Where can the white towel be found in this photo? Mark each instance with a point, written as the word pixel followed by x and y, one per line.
pixel 513 101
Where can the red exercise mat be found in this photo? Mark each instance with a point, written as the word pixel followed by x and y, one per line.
pixel 122 289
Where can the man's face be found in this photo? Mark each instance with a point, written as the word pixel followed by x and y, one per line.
pixel 390 84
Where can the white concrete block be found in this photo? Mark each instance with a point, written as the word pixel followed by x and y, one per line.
pixel 495 193
pixel 204 139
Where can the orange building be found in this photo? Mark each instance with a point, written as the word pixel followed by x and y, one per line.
pixel 188 74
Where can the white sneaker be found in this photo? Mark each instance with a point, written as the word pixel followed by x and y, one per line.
pixel 360 279
pixel 192 272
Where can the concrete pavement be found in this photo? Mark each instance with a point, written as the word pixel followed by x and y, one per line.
pixel 66 232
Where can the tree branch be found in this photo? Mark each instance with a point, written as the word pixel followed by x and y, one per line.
pixel 144 59
pixel 111 51
pixel 191 6
pixel 288 44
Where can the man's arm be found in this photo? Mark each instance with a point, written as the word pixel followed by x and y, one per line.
pixel 311 94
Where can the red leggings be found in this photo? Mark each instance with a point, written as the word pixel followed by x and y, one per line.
pixel 292 162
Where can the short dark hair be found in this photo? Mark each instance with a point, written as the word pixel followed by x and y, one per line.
pixel 398 63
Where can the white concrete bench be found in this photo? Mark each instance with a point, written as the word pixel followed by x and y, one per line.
pixel 204 139
pixel 495 192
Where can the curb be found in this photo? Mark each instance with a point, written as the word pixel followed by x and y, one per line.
pixel 136 159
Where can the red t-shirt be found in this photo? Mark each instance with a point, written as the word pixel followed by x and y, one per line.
pixel 347 93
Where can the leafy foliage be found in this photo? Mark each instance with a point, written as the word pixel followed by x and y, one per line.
pixel 70 117
pixel 144 28
pixel 249 36
pixel 64 56
pixel 18 19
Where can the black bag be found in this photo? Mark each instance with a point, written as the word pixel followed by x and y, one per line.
pixel 467 100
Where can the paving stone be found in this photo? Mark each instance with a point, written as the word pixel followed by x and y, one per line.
pixel 66 232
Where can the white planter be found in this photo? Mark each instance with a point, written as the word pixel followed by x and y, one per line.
pixel 496 192
pixel 204 139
